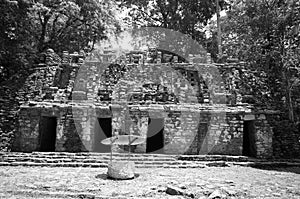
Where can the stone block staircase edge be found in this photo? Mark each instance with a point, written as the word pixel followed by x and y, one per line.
pixel 100 160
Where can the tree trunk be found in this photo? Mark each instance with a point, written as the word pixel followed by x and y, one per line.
pixel 220 53
pixel 290 104
pixel 288 96
pixel 41 45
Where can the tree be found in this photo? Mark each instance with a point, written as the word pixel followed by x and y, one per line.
pixel 13 37
pixel 28 28
pixel 265 34
pixel 186 16
pixel 71 25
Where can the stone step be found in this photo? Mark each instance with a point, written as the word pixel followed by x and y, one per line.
pixel 102 165
pixel 141 157
pixel 74 159
pixel 215 158
pixel 155 165
pixel 267 164
pixel 62 159
pixel 87 160
pixel 85 156
pixel 44 160
pixel 58 159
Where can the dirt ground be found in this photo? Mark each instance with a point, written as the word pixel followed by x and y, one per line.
pixel 237 182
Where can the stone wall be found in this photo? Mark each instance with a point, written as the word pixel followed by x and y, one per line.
pixel 226 134
pixel 188 129
pixel 286 137
pixel 8 117
pixel 191 83
pixel 69 128
pixel 74 78
pixel 264 136
pixel 202 113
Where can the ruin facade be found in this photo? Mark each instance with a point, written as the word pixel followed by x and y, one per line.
pixel 189 107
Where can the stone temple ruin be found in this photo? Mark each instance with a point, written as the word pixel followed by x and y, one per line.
pixel 182 106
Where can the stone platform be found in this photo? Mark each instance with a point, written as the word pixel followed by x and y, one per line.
pixel 101 160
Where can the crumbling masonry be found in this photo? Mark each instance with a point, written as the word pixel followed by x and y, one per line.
pixel 195 107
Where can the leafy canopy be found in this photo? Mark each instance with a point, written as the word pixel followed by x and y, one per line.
pixel 185 16
pixel 28 28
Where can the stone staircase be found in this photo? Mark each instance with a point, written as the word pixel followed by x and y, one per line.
pixel 61 159
pixel 98 160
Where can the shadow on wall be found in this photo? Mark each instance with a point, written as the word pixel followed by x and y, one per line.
pixel 73 142
pixel 286 139
pixel 199 145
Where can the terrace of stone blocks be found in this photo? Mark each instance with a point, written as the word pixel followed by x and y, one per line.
pixel 199 107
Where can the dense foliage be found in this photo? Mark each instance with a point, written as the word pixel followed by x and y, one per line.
pixel 265 34
pixel 185 16
pixel 14 37
pixel 30 27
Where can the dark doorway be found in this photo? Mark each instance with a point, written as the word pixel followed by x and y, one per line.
pixel 202 147
pixel 47 134
pixel 103 130
pixel 249 148
pixel 155 136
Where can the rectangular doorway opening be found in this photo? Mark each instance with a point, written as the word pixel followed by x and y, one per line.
pixel 155 136
pixel 249 147
pixel 47 134
pixel 102 130
pixel 202 146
